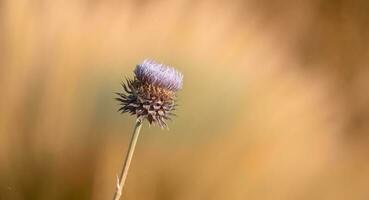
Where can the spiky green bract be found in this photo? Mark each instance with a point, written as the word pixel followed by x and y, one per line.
pixel 147 102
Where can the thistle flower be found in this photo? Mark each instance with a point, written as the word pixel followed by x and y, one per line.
pixel 151 94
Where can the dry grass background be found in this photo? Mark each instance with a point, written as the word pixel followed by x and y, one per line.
pixel 275 103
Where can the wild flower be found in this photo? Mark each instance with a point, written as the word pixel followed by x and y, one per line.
pixel 151 96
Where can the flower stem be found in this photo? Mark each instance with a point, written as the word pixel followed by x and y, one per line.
pixel 123 174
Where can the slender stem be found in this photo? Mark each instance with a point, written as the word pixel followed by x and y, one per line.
pixel 123 174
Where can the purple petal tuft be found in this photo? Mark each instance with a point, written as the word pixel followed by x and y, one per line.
pixel 159 75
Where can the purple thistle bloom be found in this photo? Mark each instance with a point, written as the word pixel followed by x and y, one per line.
pixel 151 94
pixel 159 75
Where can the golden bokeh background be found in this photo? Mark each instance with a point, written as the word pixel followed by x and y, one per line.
pixel 274 104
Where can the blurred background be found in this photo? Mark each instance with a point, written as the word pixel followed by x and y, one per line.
pixel 274 104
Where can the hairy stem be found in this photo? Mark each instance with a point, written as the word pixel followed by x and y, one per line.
pixel 123 174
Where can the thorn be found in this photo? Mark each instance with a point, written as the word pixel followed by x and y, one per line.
pixel 119 187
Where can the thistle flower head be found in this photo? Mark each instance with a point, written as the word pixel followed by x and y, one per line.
pixel 151 94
